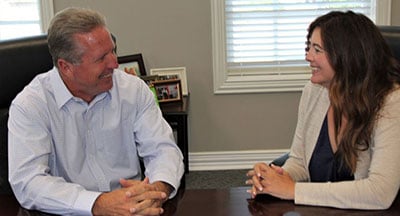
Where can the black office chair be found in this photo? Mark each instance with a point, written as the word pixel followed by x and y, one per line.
pixel 280 161
pixel 392 36
pixel 20 61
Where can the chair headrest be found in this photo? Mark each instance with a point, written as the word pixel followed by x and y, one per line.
pixel 20 61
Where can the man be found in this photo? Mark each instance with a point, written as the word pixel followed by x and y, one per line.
pixel 76 133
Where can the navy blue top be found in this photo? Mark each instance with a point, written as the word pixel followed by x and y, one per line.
pixel 325 165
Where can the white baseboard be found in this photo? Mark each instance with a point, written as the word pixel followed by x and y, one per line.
pixel 227 160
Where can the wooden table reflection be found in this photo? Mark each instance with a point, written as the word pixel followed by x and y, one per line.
pixel 221 202
pixel 236 202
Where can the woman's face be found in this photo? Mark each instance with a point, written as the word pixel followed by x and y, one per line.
pixel 322 71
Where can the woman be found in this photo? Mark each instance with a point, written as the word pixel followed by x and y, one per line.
pixel 346 148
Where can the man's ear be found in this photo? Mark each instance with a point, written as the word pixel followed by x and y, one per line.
pixel 65 67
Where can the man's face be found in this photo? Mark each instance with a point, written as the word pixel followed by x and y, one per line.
pixel 94 74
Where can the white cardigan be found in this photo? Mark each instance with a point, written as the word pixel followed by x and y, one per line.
pixel 377 177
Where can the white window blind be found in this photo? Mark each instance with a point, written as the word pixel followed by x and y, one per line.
pixel 21 18
pixel 258 45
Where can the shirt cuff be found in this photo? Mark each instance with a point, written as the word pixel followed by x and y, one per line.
pixel 83 205
pixel 170 182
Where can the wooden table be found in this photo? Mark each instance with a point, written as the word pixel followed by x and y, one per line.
pixel 225 202
pixel 237 202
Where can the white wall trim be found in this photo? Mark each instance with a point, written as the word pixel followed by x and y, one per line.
pixel 227 160
pixel 46 13
pixel 383 12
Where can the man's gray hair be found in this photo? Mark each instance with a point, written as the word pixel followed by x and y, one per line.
pixel 64 26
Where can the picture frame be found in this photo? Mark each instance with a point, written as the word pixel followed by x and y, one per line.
pixel 168 90
pixel 180 71
pixel 134 61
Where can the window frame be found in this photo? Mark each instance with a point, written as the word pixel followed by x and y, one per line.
pixel 257 82
pixel 46 13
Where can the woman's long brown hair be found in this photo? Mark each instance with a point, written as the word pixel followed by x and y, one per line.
pixel 365 72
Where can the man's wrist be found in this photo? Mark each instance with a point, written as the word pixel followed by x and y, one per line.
pixel 164 187
pixel 96 208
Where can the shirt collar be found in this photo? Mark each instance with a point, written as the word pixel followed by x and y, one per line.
pixel 61 93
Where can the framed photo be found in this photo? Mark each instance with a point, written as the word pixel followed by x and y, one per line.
pixel 132 64
pixel 179 71
pixel 168 90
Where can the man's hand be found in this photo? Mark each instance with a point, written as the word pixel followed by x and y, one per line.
pixel 158 186
pixel 130 70
pixel 135 197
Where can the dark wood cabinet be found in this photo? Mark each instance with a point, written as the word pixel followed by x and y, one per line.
pixel 176 114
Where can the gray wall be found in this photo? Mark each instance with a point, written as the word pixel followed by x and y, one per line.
pixel 395 15
pixel 177 33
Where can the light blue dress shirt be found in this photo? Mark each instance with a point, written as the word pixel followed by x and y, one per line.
pixel 63 152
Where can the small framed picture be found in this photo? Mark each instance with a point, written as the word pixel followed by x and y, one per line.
pixel 179 72
pixel 168 90
pixel 132 64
